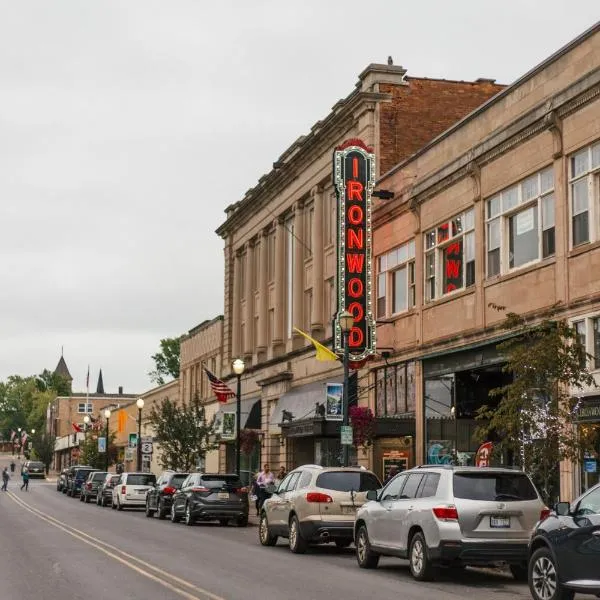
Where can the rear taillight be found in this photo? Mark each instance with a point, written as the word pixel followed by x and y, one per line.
pixel 545 513
pixel 200 489
pixel 88 486
pixel 242 490
pixel 123 489
pixel 318 497
pixel 446 513
pixel 169 490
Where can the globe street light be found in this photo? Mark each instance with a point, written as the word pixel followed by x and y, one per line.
pixel 238 369
pixel 107 417
pixel 140 404
pixel 346 321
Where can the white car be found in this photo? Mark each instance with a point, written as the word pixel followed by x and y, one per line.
pixel 131 489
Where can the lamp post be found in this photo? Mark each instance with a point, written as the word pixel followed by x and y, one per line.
pixel 107 417
pixel 19 443
pixel 346 321
pixel 140 405
pixel 238 369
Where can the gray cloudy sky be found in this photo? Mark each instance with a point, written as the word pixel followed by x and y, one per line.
pixel 127 126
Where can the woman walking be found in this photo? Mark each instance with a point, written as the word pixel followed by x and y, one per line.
pixel 25 479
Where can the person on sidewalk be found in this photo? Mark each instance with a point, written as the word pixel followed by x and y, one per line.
pixel 12 466
pixel 265 480
pixel 5 478
pixel 25 479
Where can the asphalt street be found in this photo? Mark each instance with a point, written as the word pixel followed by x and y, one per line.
pixel 55 547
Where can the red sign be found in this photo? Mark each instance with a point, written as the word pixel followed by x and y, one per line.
pixel 353 177
pixel 484 455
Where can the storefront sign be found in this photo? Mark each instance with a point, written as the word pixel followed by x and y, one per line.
pixel 353 178
pixel 484 455
pixel 225 425
pixel 589 411
pixel 453 266
pixel 590 465
pixel 101 445
pixel 394 458
pixel 440 452
pixel 346 438
pixel 333 401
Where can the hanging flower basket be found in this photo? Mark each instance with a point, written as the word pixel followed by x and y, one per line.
pixel 363 426
pixel 249 439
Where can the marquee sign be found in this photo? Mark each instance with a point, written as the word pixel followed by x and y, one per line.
pixel 353 178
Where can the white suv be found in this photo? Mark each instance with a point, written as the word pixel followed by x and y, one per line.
pixel 131 489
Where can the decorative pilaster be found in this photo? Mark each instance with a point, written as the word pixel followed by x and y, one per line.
pixel 279 283
pixel 249 297
pixel 263 288
pixel 235 309
pixel 316 247
pixel 298 275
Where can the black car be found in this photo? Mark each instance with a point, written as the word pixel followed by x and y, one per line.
pixel 35 469
pixel 211 497
pixel 61 480
pixel 76 478
pixel 564 552
pixel 89 489
pixel 159 498
pixel 105 489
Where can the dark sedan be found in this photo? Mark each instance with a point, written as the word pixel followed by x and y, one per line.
pixel 160 497
pixel 105 489
pixel 77 479
pixel 36 469
pixel 564 553
pixel 211 497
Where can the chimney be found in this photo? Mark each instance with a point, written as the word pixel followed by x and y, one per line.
pixel 120 390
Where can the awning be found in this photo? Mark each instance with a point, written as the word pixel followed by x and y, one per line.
pixel 301 402
pixel 250 412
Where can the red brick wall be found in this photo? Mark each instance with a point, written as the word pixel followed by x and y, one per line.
pixel 422 110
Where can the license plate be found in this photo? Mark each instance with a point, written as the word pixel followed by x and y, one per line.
pixel 500 522
pixel 348 510
pixel 223 495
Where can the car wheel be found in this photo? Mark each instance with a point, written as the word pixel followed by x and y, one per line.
pixel 174 516
pixel 189 519
pixel 519 572
pixel 543 578
pixel 149 511
pixel 342 543
pixel 366 558
pixel 69 493
pixel 298 544
pixel 420 565
pixel 81 498
pixel 242 521
pixel 113 505
pixel 223 522
pixel 264 533
pixel 162 511
pixel 119 505
pixel 87 499
pixel 98 501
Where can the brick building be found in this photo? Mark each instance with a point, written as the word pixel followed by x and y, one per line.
pixel 280 254
pixel 500 209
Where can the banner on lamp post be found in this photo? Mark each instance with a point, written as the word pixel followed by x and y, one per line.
pixel 101 445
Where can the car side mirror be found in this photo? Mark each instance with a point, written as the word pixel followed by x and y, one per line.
pixel 372 495
pixel 563 509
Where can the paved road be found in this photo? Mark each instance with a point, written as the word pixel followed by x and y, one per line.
pixel 57 548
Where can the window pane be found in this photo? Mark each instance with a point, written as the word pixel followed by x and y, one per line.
pixel 548 211
pixel 469 220
pixel 493 267
pixel 411 249
pixel 381 295
pixel 453 266
pixel 597 343
pixel 580 196
pixel 581 338
pixel 547 179
pixel 430 239
pixel 580 229
pixel 402 254
pixel 493 207
pixel 401 388
pixel 529 188
pixel 580 163
pixel 457 226
pixel 523 237
pixel 392 259
pixel 548 242
pixel 493 240
pixel 411 284
pixel 382 263
pixel 430 276
pixel 443 233
pixel 596 156
pixel 510 198
pixel 400 289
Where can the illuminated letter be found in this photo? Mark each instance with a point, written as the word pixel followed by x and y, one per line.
pixel 452 269
pixel 355 168
pixel 355 287
pixel 356 337
pixel 355 262
pixel 355 190
pixel 355 238
pixel 357 310
pixel 355 214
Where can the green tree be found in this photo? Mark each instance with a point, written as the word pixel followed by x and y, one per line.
pixel 166 361
pixel 51 381
pixel 89 450
pixel 43 447
pixel 535 420
pixel 182 433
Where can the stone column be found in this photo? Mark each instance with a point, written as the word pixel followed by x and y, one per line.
pixel 317 247
pixel 249 296
pixel 235 324
pixel 279 284
pixel 420 418
pixel 263 288
pixel 298 274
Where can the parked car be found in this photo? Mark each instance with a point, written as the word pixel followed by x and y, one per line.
pixel 36 469
pixel 453 516
pixel 131 489
pixel 61 480
pixel 160 497
pixel 105 489
pixel 314 504
pixel 564 553
pixel 75 478
pixel 89 489
pixel 211 497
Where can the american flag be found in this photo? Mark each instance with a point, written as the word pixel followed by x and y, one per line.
pixel 220 389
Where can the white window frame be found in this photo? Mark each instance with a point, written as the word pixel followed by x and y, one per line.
pixel 591 324
pixel 434 247
pixel 590 174
pixel 86 408
pixel 388 264
pixel 500 210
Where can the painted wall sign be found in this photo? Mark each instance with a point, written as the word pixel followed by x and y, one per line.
pixel 353 178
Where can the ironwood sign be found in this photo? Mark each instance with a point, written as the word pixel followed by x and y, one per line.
pixel 353 178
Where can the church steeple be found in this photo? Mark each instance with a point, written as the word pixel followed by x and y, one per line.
pixel 100 386
pixel 63 370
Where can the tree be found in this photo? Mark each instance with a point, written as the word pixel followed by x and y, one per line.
pixel 182 433
pixel 43 447
pixel 166 361
pixel 51 381
pixel 535 420
pixel 89 450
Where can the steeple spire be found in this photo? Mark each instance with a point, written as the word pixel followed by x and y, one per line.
pixel 63 370
pixel 100 386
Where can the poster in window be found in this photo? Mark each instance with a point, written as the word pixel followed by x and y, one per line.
pixel 224 425
pixel 440 452
pixel 380 392
pixel 525 221
pixel 333 405
pixel 453 266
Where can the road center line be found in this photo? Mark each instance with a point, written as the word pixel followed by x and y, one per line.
pixel 112 551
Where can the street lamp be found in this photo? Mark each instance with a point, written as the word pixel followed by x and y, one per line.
pixel 140 404
pixel 107 417
pixel 346 321
pixel 238 369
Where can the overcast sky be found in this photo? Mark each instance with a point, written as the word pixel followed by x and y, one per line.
pixel 126 127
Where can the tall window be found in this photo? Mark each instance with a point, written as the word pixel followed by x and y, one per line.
pixel 396 280
pixel 395 389
pixel 450 256
pixel 584 183
pixel 520 224
pixel 580 328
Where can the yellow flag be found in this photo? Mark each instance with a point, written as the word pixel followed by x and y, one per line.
pixel 323 353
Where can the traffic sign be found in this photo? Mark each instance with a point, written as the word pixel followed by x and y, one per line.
pixel 147 448
pixel 146 438
pixel 346 435
pixel 146 457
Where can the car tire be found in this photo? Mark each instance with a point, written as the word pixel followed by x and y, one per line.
pixel 365 556
pixel 298 545
pixel 519 572
pixel 543 577
pixel 113 505
pixel 265 536
pixel 149 511
pixel 242 522
pixel 174 515
pixel 188 519
pixel 81 498
pixel 119 505
pixel 69 493
pixel 420 565
pixel 162 511
pixel 223 522
pixel 87 499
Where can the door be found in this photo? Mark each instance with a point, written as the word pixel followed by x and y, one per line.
pixel 379 512
pixel 180 498
pixel 400 511
pixel 275 506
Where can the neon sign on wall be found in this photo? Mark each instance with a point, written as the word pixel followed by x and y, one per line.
pixel 353 178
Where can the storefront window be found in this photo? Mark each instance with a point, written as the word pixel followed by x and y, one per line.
pixel 596 343
pixel 395 390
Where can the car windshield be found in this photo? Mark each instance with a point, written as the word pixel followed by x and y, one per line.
pixel 177 480
pixel 141 479
pixel 505 487
pixel 35 465
pixel 98 476
pixel 81 474
pixel 346 481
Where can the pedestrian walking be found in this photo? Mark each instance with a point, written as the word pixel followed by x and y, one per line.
pixel 281 475
pixel 12 466
pixel 5 478
pixel 25 479
pixel 265 480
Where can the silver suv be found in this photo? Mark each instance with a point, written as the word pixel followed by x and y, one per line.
pixel 452 516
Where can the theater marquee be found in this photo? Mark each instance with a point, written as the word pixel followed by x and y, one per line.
pixel 353 177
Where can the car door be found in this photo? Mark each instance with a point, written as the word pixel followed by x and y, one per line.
pixel 275 506
pixel 379 511
pixel 152 494
pixel 180 498
pixel 399 513
pixel 117 489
